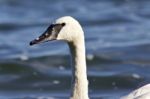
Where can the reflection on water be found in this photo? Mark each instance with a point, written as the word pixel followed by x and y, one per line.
pixel 117 43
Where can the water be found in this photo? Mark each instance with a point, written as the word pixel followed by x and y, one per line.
pixel 117 43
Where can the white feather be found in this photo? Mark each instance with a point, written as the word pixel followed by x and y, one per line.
pixel 74 35
pixel 140 93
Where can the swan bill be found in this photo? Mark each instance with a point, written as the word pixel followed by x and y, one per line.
pixel 51 33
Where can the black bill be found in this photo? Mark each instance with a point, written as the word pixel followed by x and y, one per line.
pixel 50 34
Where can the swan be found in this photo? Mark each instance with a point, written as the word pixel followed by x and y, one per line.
pixel 140 93
pixel 68 29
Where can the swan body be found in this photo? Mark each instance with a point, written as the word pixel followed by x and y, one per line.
pixel 141 93
pixel 68 29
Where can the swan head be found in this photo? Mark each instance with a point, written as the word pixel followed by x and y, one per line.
pixel 64 28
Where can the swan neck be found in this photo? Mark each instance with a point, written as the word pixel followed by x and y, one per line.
pixel 79 72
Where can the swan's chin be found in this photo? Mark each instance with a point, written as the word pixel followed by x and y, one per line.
pixel 37 41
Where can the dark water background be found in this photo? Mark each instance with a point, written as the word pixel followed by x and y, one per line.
pixel 117 42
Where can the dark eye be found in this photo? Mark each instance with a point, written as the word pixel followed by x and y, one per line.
pixel 63 24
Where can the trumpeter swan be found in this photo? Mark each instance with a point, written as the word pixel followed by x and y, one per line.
pixel 68 29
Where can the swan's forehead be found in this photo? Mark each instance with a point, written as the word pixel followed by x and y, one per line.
pixel 66 19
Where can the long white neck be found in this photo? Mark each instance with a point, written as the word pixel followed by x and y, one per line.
pixel 79 72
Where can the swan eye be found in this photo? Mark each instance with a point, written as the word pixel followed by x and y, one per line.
pixel 63 24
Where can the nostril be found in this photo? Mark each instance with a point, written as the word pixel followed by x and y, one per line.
pixel 37 39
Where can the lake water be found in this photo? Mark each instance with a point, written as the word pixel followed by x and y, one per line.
pixel 117 34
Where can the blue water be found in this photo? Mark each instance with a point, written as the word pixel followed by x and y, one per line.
pixel 117 34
